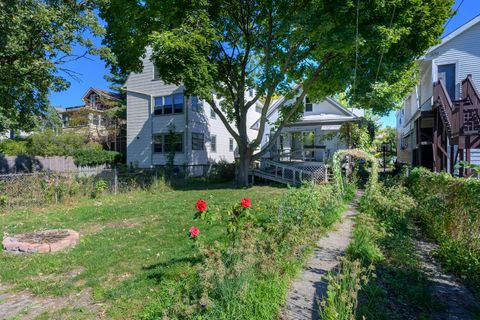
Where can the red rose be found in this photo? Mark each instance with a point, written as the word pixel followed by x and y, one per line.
pixel 194 232
pixel 245 203
pixel 201 205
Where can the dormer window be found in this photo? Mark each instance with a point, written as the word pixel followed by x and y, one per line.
pixel 308 105
pixel 93 101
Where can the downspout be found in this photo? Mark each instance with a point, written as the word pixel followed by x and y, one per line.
pixel 150 115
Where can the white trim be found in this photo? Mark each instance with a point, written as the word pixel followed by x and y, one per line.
pixel 457 80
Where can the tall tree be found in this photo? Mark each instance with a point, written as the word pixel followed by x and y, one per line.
pixel 37 39
pixel 364 47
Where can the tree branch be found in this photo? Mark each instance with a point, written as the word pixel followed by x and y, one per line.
pixel 234 134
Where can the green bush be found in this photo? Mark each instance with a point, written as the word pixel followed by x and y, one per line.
pixel 94 157
pixel 449 212
pixel 13 147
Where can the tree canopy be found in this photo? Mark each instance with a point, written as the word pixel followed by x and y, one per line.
pixel 366 48
pixel 38 38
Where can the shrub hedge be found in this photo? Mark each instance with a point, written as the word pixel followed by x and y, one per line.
pixel 449 212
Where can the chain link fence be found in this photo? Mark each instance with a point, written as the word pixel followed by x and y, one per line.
pixel 48 187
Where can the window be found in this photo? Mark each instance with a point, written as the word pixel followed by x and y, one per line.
pixel 213 115
pixel 158 143
pixel 197 141
pixel 161 143
pixel 250 93
pixel 196 104
pixel 93 101
pixel 177 141
pixel 66 119
pixel 308 105
pixel 230 145
pixel 158 108
pixel 167 105
pixel 156 73
pixel 178 103
pixel 213 143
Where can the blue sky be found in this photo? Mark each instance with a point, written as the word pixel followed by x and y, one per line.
pixel 92 70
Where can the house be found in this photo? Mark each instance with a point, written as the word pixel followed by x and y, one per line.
pixel 93 120
pixel 439 122
pixel 314 137
pixel 157 110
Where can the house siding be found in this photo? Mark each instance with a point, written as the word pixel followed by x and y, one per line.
pixel 142 124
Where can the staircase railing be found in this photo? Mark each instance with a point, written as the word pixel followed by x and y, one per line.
pixel 445 105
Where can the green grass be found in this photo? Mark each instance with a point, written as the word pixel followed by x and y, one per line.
pixel 133 249
pixel 383 235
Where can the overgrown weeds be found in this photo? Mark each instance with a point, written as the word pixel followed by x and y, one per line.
pixel 449 213
pixel 246 276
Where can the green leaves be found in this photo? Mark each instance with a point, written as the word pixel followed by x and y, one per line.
pixel 37 39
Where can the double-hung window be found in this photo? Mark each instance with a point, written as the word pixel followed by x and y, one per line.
pixel 162 143
pixel 178 103
pixel 213 143
pixel 213 115
pixel 197 141
pixel 168 104
pixel 196 104
pixel 230 145
pixel 308 105
pixel 158 143
pixel 158 108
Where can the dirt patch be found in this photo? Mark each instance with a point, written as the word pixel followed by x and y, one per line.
pixel 25 305
pixel 93 228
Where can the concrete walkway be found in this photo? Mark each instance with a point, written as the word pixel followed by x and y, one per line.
pixel 311 285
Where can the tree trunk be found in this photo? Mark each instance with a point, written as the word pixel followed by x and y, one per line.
pixel 243 168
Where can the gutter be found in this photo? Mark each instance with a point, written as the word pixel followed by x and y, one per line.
pixel 150 115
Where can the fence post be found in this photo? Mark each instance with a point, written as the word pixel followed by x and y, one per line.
pixel 115 180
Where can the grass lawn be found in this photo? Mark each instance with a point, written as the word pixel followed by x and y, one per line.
pixel 133 250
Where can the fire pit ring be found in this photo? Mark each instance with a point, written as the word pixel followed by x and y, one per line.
pixel 41 241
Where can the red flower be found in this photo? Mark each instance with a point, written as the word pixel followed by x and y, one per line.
pixel 194 232
pixel 245 203
pixel 201 205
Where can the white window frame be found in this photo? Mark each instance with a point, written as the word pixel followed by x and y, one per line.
pixel 213 143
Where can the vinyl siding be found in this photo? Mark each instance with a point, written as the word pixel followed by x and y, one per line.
pixel 142 124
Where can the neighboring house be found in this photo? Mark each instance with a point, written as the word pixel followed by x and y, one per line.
pixel 154 108
pixel 439 123
pixel 92 120
pixel 314 138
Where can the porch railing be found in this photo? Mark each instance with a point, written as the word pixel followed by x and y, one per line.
pixel 291 174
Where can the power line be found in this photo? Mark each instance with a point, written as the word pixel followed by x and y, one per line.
pixel 458 8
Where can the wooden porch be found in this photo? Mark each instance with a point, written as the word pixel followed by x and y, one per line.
pixel 456 127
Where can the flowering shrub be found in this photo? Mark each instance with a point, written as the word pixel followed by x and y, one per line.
pixel 263 241
pixel 194 232
pixel 201 205
pixel 245 203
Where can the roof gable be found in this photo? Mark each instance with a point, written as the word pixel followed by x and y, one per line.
pixel 456 33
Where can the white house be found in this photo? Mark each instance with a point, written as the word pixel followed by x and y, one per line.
pixel 314 138
pixel 430 125
pixel 154 108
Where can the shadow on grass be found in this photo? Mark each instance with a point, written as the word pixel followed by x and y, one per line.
pixel 158 271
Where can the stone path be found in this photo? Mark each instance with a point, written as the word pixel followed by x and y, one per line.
pixel 302 298
pixel 459 301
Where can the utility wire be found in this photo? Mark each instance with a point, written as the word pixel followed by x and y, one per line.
pixel 454 14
